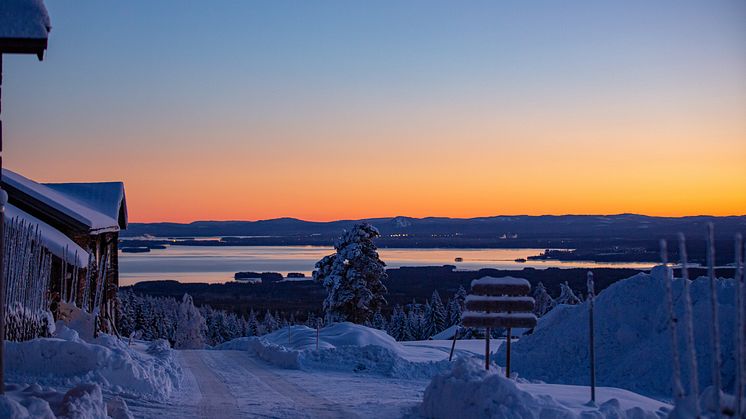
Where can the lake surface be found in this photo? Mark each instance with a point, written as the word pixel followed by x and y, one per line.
pixel 217 264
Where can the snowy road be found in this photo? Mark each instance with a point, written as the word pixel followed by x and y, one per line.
pixel 236 384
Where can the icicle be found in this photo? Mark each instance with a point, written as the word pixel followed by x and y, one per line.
pixel 691 349
pixel 715 329
pixel 678 391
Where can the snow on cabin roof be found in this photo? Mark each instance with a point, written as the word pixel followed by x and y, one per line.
pixel 508 280
pixel 24 19
pixel 67 205
pixel 57 243
pixel 105 197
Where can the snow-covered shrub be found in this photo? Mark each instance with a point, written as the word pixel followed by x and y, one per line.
pixel 353 276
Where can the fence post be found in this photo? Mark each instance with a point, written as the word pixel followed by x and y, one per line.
pixel 507 357
pixel 487 348
pixel 591 337
pixel 453 345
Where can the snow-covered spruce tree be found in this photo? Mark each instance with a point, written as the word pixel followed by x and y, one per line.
pixel 378 322
pixel 567 296
pixel 269 323
pixel 416 323
pixel 439 314
pixel 252 327
pixel 454 312
pixel 543 301
pixel 190 329
pixel 353 276
pixel 398 328
pixel 460 296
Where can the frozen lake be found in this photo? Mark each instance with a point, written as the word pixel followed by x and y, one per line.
pixel 216 264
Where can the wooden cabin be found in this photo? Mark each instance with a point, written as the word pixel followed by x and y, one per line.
pixel 79 224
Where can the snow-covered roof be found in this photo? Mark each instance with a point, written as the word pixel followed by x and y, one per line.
pixel 57 243
pixel 105 197
pixel 69 206
pixel 24 19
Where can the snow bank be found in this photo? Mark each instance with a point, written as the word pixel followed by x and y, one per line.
pixel 342 347
pixel 468 391
pixel 67 360
pixel 633 349
pixel 83 401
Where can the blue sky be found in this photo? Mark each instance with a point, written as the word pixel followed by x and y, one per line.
pixel 163 85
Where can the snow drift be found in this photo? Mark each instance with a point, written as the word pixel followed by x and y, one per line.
pixel 342 347
pixel 84 401
pixel 633 344
pixel 469 391
pixel 67 360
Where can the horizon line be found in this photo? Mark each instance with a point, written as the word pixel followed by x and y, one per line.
pixel 437 216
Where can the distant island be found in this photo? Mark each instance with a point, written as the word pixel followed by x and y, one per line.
pixel 617 238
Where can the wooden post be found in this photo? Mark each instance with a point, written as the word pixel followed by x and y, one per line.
pixel 453 345
pixel 507 356
pixel 487 348
pixel 591 340
pixel 3 201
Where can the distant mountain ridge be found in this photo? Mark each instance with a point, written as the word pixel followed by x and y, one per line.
pixel 620 226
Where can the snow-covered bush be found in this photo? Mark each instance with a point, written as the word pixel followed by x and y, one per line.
pixel 567 295
pixel 353 276
pixel 543 301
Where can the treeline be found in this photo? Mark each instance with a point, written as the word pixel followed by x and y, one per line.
pixel 149 318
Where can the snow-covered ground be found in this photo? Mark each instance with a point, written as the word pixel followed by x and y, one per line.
pixel 357 372
pixel 362 372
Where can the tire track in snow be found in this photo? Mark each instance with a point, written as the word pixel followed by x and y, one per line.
pixel 301 402
pixel 217 401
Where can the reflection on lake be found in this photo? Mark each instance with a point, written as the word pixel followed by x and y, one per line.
pixel 216 264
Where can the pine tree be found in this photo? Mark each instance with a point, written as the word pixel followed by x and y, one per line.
pixel 190 330
pixel 378 322
pixel 416 324
pixel 439 312
pixel 460 297
pixel 543 302
pixel 270 323
pixel 567 296
pixel 454 312
pixel 353 276
pixel 429 321
pixel 252 328
pixel 398 328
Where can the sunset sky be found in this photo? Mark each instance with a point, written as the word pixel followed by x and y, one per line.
pixel 347 109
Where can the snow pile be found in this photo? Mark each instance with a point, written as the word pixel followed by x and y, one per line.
pixel 82 401
pixel 342 347
pixel 469 391
pixel 23 19
pixel 68 360
pixel 633 344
